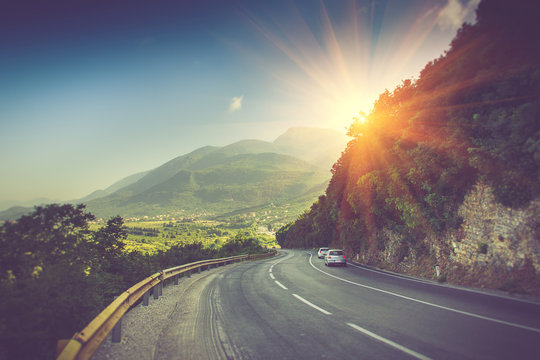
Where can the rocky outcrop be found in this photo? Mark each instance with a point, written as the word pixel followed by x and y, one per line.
pixel 495 247
pixel 494 235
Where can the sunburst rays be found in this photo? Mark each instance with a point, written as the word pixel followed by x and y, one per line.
pixel 340 61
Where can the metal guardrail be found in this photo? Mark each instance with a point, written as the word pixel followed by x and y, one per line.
pixel 85 343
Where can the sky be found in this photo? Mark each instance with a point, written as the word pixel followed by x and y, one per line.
pixel 92 91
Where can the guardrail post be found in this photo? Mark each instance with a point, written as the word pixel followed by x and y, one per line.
pixel 176 280
pixel 145 298
pixel 160 288
pixel 155 291
pixel 200 269
pixel 117 332
pixel 189 273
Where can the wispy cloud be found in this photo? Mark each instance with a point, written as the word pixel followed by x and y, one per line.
pixel 456 13
pixel 236 103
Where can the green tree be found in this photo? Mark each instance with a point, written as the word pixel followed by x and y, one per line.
pixel 52 278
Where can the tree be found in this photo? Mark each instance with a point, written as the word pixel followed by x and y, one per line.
pixel 53 277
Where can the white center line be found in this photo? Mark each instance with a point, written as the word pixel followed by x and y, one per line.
pixel 277 262
pixel 280 284
pixel 312 305
pixel 389 342
pixel 428 303
pixel 272 276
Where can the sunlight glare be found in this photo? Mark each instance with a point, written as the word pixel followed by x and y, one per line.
pixel 344 110
pixel 339 71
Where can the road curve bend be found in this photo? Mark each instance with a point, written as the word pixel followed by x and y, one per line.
pixel 294 307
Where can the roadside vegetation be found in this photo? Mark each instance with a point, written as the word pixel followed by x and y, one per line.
pixel 471 116
pixel 58 269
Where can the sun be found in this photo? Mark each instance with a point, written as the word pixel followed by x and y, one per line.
pixel 343 111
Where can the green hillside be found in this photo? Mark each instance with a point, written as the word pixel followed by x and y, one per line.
pixel 292 171
pixel 472 115
pixel 240 177
pixel 236 182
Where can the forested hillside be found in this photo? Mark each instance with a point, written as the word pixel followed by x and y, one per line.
pixel 472 116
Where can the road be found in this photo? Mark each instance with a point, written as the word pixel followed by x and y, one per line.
pixel 294 307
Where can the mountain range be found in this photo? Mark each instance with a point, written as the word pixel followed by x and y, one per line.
pixel 219 180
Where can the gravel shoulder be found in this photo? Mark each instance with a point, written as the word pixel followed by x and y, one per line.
pixel 144 327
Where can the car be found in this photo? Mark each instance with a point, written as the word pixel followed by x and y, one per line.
pixel 335 257
pixel 322 251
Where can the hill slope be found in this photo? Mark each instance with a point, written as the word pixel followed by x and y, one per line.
pixel 471 119
pixel 246 174
pixel 314 145
pixel 233 183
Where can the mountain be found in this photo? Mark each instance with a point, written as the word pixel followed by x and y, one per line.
pixel 314 145
pixel 220 180
pixel 445 170
pixel 21 204
pixel 246 174
pixel 113 188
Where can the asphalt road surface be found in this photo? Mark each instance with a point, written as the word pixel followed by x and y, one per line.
pixel 294 307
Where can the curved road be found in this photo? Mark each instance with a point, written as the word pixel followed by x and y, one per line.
pixel 294 307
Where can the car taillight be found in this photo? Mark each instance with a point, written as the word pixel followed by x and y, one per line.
pixel 329 256
pixel 344 256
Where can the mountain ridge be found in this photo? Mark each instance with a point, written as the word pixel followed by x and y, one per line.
pixel 201 178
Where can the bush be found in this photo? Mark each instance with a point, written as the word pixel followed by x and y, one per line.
pixel 482 248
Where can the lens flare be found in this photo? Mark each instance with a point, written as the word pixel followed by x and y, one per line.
pixel 341 63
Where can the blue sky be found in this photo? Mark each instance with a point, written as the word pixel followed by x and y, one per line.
pixel 92 91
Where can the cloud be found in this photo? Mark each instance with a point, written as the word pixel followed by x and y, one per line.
pixel 236 103
pixel 455 13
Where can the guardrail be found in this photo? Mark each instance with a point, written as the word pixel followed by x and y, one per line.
pixel 85 343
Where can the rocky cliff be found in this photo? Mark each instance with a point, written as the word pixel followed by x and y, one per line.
pixel 494 247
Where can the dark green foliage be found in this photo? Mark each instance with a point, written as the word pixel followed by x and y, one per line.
pixel 482 248
pixel 56 274
pixel 240 244
pixel 442 278
pixel 472 115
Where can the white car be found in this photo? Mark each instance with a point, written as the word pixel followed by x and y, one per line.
pixel 322 251
pixel 335 257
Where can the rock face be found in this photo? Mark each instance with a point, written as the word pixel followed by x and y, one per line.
pixel 495 247
pixel 496 236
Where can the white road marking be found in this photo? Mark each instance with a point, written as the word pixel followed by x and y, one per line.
pixel 277 262
pixel 427 303
pixel 312 305
pixel 272 276
pixel 280 284
pixel 389 342
pixel 391 275
pixel 427 282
